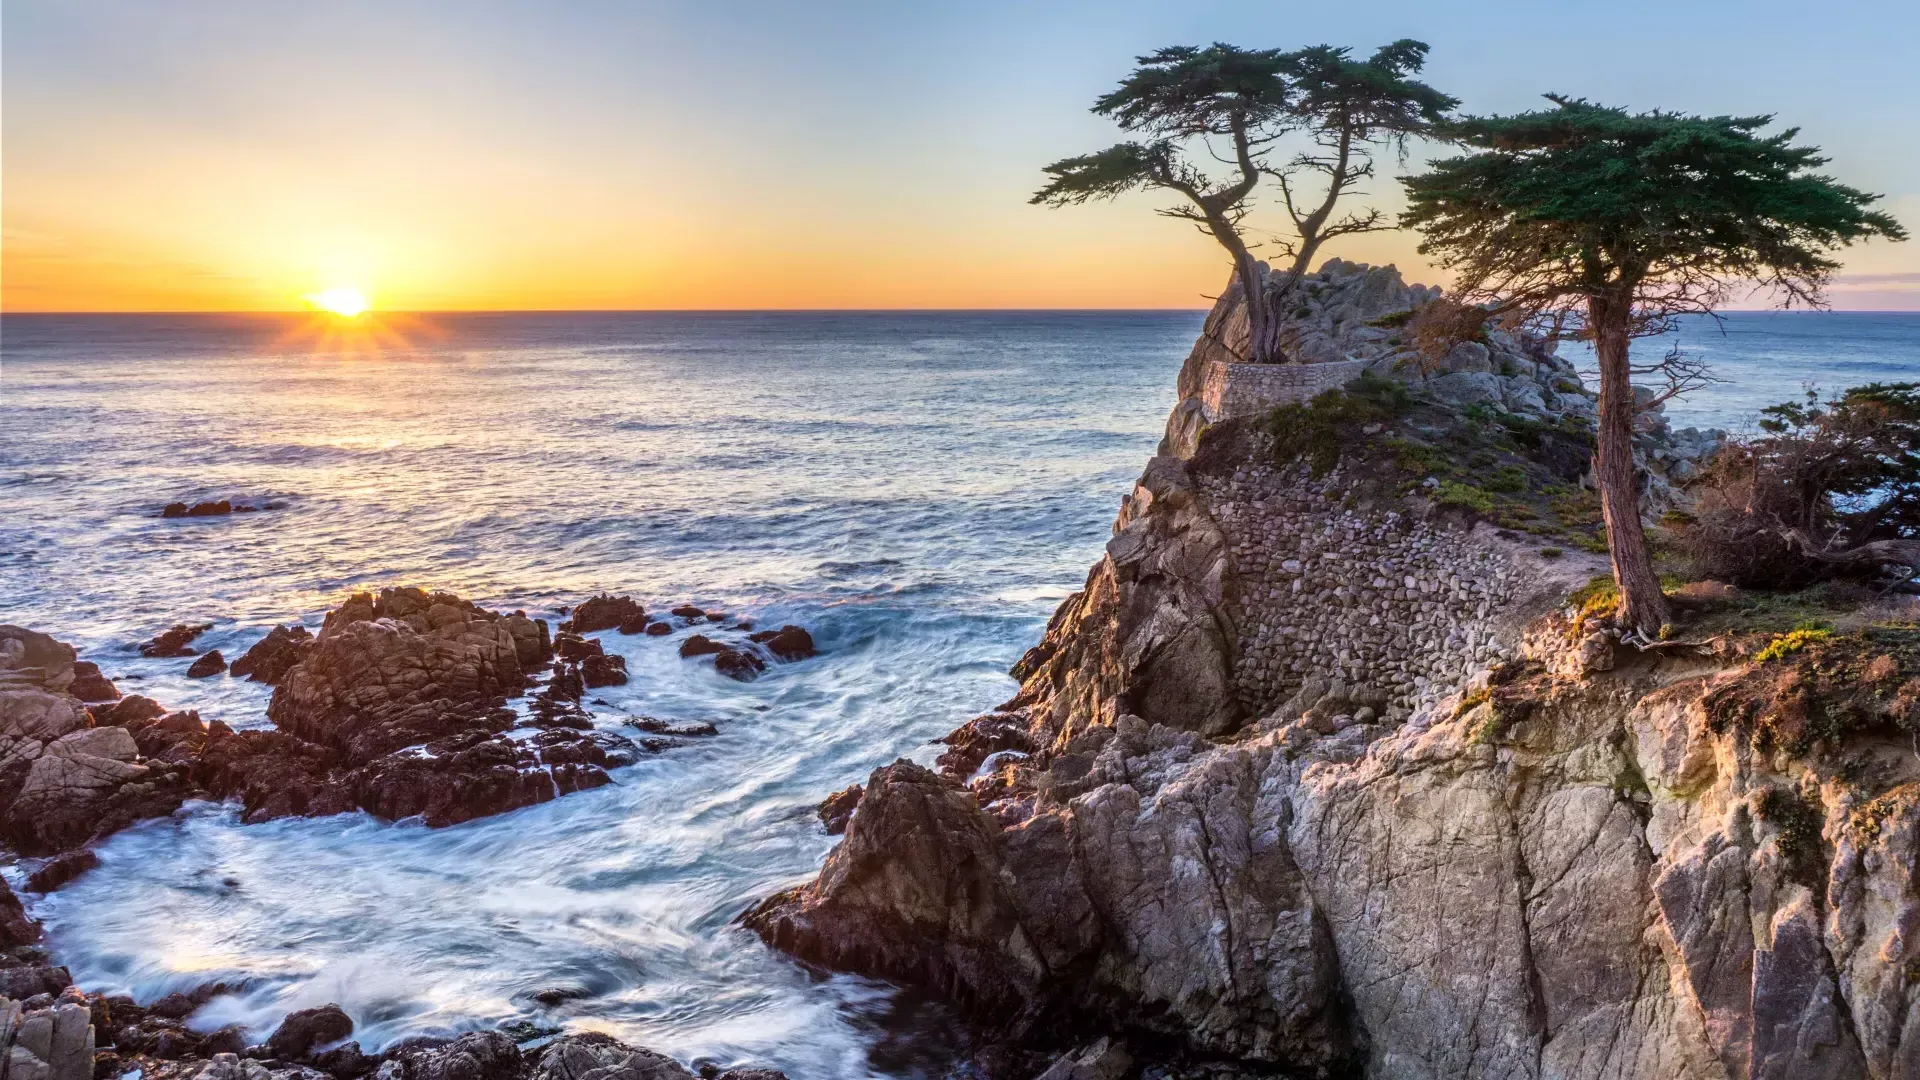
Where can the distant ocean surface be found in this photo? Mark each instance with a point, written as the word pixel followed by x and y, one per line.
pixel 919 489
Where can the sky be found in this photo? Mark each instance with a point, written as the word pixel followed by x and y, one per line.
pixel 719 154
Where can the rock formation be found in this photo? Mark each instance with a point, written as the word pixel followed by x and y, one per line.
pixel 1318 777
pixel 398 707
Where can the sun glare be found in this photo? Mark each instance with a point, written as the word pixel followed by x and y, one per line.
pixel 343 301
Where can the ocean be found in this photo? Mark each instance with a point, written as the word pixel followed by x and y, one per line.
pixel 919 489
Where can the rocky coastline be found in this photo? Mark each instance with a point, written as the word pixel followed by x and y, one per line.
pixel 399 706
pixel 1327 774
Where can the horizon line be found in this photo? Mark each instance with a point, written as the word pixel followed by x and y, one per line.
pixel 316 313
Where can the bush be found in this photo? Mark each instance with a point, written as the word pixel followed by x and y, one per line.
pixel 1317 430
pixel 1830 488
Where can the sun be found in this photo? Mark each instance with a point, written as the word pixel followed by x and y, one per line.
pixel 344 301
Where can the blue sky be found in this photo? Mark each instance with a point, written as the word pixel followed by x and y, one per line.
pixel 761 154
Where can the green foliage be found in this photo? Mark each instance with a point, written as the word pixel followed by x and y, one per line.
pixel 1465 497
pixel 1578 201
pixel 1799 823
pixel 1791 642
pixel 1320 429
pixel 1551 552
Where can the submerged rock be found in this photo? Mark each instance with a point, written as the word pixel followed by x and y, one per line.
pixel 174 642
pixel 605 612
pixel 787 643
pixel 208 664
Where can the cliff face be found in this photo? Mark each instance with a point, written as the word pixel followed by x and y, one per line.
pixel 1315 775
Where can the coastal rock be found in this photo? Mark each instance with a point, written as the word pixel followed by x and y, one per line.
pixel 406 668
pixel 206 665
pixel 306 1029
pixel 29 659
pixel 688 612
pixel 54 1042
pixel 61 870
pixel 836 810
pixel 604 612
pixel 594 1056
pixel 270 658
pixel 174 641
pixel 728 660
pixel 89 685
pixel 788 643
pixel 914 894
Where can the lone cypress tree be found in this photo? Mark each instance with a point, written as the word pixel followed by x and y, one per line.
pixel 1180 96
pixel 1618 222
pixel 1183 97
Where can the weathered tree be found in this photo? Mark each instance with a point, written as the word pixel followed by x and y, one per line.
pixel 1347 107
pixel 1615 223
pixel 1184 99
pixel 1180 97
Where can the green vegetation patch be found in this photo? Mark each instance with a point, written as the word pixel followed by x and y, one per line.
pixel 1481 462
pixel 1825 687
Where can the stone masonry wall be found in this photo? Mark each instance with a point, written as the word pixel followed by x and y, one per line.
pixel 1397 605
pixel 1231 389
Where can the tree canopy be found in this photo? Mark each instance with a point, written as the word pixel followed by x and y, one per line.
pixel 1571 202
pixel 1615 223
pixel 1184 99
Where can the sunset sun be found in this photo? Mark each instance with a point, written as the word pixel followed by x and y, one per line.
pixel 343 301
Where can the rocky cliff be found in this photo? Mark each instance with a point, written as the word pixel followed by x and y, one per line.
pixel 1321 774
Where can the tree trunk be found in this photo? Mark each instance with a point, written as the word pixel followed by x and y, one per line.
pixel 1259 332
pixel 1643 607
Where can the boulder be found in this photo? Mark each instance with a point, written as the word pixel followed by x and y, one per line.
pixel 787 643
pixel 594 1056
pixel 688 611
pixel 604 612
pixel 208 664
pixel 89 685
pixel 270 658
pixel 658 629
pixel 62 869
pixel 302 1031
pixel 1465 388
pixel 211 509
pixel 914 894
pixel 836 810
pixel 32 660
pixel 481 1055
pixel 174 641
pixel 700 645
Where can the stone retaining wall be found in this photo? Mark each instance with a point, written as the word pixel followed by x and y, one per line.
pixel 1402 607
pixel 1230 389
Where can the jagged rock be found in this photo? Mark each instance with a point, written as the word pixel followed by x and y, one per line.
pixel 604 612
pixel 89 685
pixel 271 657
pixel 735 663
pixel 594 1056
pixel 302 1031
pixel 62 869
pixel 208 664
pixel 913 894
pixel 837 809
pixel 32 660
pixel 787 643
pixel 174 641
pixel 482 1055
pixel 405 669
pixel 46 1043
pixel 16 929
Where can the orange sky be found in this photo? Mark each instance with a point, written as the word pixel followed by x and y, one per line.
pixel 675 156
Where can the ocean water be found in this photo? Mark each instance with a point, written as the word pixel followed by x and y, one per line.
pixel 918 489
